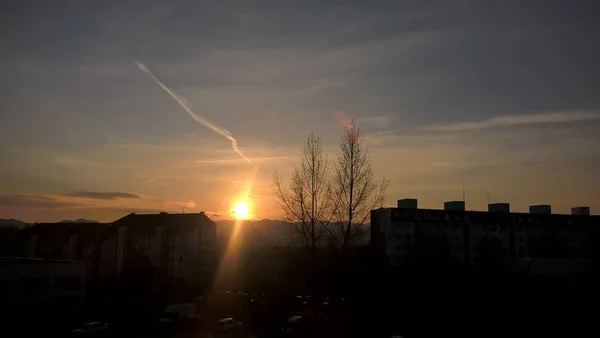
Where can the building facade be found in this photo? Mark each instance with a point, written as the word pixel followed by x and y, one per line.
pixel 39 289
pixel 180 247
pixel 471 236
pixel 68 241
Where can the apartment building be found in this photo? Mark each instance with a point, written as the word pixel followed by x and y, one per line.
pixel 467 236
pixel 69 242
pixel 181 246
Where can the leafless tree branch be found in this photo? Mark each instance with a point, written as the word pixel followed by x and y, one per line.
pixel 355 187
pixel 307 200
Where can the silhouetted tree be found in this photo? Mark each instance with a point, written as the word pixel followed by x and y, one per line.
pixel 307 200
pixel 355 187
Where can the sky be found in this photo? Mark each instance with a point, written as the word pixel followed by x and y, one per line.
pixel 500 98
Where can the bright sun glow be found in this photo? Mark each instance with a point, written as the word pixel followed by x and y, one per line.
pixel 242 210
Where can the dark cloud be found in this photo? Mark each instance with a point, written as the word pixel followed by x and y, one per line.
pixel 35 201
pixel 126 211
pixel 103 195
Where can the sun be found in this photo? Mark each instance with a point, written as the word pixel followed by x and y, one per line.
pixel 242 210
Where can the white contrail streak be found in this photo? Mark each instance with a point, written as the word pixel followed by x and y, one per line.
pixel 190 110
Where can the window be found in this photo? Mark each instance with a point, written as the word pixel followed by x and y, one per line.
pixel 33 285
pixel 66 283
pixel 5 285
pixel 408 237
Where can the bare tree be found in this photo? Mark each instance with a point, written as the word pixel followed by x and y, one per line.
pixel 307 200
pixel 354 187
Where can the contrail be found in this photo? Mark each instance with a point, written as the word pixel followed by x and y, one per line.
pixel 190 110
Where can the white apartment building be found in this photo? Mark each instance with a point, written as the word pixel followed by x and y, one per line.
pixel 183 246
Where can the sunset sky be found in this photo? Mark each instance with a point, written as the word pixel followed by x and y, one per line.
pixel 498 97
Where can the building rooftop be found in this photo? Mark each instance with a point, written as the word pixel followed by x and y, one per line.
pixel 151 221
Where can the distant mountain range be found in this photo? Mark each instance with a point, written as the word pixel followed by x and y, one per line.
pixel 79 220
pixel 265 232
pixel 11 222
pixel 268 232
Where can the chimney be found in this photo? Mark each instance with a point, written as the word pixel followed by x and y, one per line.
pixel 454 205
pixel 540 209
pixel 499 207
pixel 582 211
pixel 407 203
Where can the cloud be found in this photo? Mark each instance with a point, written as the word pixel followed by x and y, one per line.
pixel 182 204
pixel 135 210
pixel 374 121
pixel 103 195
pixel 35 201
pixel 506 121
pixel 215 215
pixel 191 163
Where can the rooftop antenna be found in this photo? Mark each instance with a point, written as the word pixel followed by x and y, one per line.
pixel 463 191
pixel 488 197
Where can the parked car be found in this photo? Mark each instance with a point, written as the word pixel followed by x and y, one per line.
pixel 180 314
pixel 227 325
pixel 92 327
pixel 296 325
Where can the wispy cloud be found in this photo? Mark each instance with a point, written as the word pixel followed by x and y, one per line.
pixel 35 201
pixel 506 121
pixel 191 163
pixel 182 204
pixel 375 121
pixel 102 195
